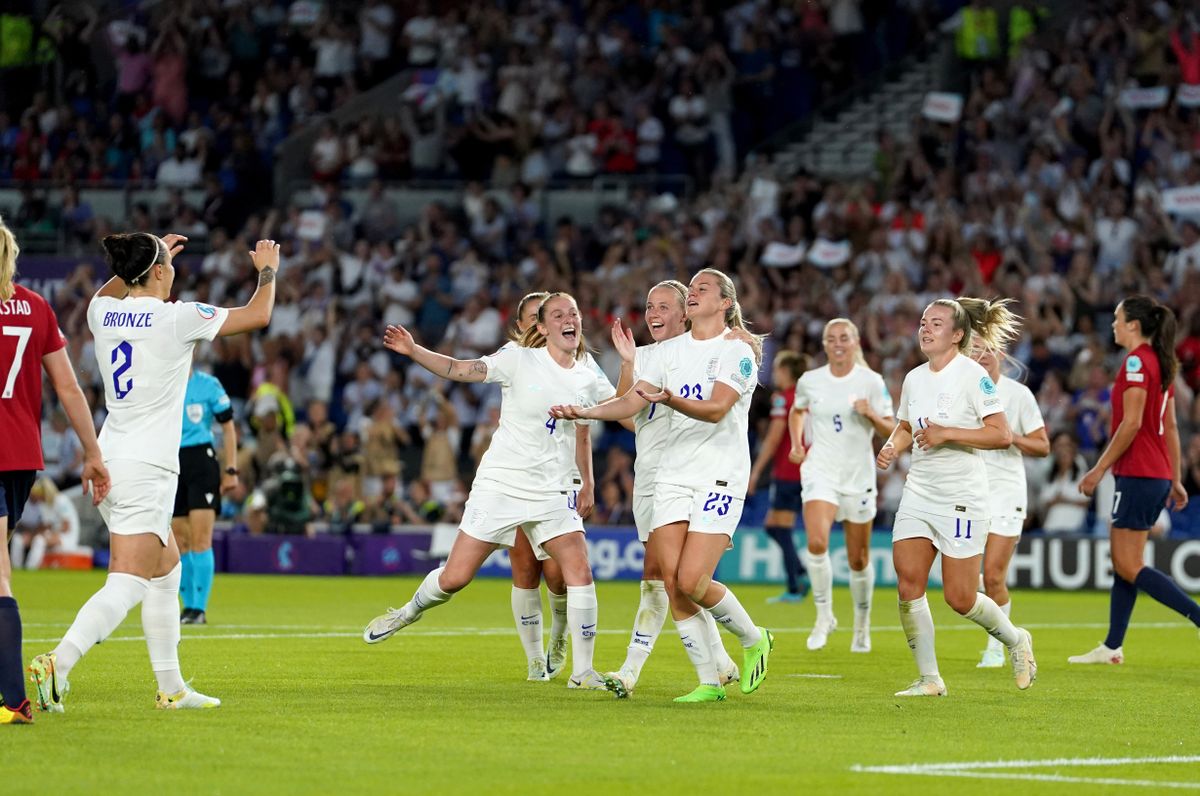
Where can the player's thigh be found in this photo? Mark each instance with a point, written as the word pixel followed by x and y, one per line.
pixel 858 543
pixel 666 545
pixel 1127 548
pixel 569 550
pixel 168 558
pixel 912 559
pixel 467 555
pixel 526 569
pixel 960 582
pixel 819 515
pixel 202 522
pixel 997 554
pixel 138 554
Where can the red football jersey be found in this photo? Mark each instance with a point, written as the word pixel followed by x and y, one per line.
pixel 781 407
pixel 1147 456
pixel 28 331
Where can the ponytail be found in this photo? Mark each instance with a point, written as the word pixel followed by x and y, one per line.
pixel 1159 327
pixel 991 321
pixel 533 338
pixel 8 262
pixel 733 315
pixel 131 255
pixel 514 331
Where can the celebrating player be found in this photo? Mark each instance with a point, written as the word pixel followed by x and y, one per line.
pixel 201 483
pixel 525 477
pixel 840 407
pixel 29 341
pixel 144 347
pixel 1006 484
pixel 950 410
pixel 666 319
pixel 776 450
pixel 708 381
pixel 1144 455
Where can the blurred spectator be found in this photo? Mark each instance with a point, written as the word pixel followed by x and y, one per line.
pixel 1063 508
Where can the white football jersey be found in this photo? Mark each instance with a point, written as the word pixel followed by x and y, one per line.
pixel 838 438
pixel 702 455
pixel 531 453
pixel 651 429
pixel 949 480
pixel 1006 468
pixel 144 352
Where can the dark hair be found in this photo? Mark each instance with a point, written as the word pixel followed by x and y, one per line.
pixel 793 361
pixel 1158 326
pixel 131 255
pixel 1074 472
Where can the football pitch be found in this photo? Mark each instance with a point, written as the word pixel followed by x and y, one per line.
pixel 443 707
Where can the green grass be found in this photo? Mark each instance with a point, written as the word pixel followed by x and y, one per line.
pixel 444 707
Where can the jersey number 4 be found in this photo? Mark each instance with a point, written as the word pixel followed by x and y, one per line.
pixel 123 352
pixel 22 333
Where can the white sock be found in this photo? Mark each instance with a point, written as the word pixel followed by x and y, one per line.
pixel 582 612
pixel 428 595
pixel 988 615
pixel 99 617
pixel 720 656
pixel 693 632
pixel 527 613
pixel 862 587
pixel 918 627
pixel 558 615
pixel 160 625
pixel 820 574
pixel 993 642
pixel 16 551
pixel 730 614
pixel 651 614
pixel 37 551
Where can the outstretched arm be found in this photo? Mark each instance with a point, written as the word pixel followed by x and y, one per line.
pixel 627 405
pixel 398 339
pixel 709 410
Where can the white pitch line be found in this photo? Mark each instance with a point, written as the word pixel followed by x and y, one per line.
pixel 817 676
pixel 1144 783
pixel 974 770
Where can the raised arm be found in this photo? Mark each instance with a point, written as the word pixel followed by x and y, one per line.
pixel 626 406
pixel 257 312
pixel 66 386
pixel 398 339
pixel 625 346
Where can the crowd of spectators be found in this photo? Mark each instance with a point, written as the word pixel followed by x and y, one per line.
pixel 1048 190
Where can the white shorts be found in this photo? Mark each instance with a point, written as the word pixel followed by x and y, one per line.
pixel 141 499
pixel 704 510
pixel 852 506
pixel 643 515
pixel 493 517
pixel 954 537
pixel 1010 525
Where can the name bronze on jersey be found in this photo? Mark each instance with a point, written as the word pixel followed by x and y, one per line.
pixel 128 320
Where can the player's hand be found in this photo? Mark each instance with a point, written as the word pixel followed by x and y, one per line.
pixel 798 455
pixel 265 255
pixel 174 243
pixel 663 396
pixel 229 484
pixel 1090 481
pixel 887 455
pixel 741 335
pixel 622 340
pixel 398 339
pixel 863 407
pixel 95 479
pixel 567 412
pixel 930 435
pixel 1179 497
pixel 585 501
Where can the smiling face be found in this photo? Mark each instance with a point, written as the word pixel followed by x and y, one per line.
pixel 841 344
pixel 665 313
pixel 560 323
pixel 704 298
pixel 937 334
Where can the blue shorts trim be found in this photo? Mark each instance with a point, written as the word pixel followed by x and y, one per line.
pixel 785 496
pixel 1137 502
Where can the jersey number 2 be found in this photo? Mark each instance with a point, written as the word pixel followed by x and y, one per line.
pixel 124 352
pixel 22 333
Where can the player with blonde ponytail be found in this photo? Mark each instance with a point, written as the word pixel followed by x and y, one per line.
pixel 838 410
pixel 951 410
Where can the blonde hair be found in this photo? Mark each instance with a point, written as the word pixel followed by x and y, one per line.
pixel 733 315
pixel 991 321
pixel 681 289
pixel 8 262
pixel 44 490
pixel 532 338
pixel 858 354
pixel 514 333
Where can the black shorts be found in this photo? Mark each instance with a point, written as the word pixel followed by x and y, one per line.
pixel 15 486
pixel 199 480
pixel 785 496
pixel 1137 502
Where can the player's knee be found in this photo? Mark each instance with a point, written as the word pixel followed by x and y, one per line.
pixel 693 583
pixel 857 559
pixel 1127 569
pixel 818 547
pixel 994 582
pixel 961 600
pixel 452 582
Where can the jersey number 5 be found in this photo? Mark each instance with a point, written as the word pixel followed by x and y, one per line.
pixel 22 333
pixel 124 352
